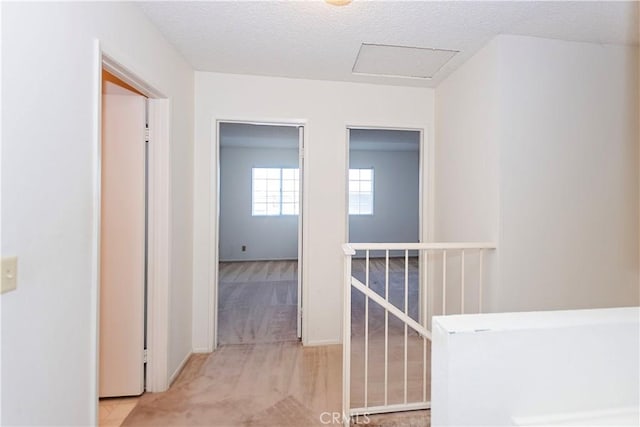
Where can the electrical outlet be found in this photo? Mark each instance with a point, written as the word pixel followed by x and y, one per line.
pixel 9 274
pixel 244 248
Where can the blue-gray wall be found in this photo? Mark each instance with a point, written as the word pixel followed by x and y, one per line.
pixel 266 237
pixel 396 197
pixel 394 156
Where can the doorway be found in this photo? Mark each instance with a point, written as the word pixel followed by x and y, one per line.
pixel 156 258
pixel 385 206
pixel 259 265
pixel 123 237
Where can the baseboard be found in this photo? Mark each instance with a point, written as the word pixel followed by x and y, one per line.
pixel 179 369
pixel 258 259
pixel 318 343
pixel 201 350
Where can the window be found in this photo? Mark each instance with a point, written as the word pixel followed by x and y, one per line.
pixel 275 191
pixel 360 191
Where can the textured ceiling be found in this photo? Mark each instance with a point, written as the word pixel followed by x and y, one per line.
pixel 314 40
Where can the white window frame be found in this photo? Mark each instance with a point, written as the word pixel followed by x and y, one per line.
pixel 359 212
pixel 280 192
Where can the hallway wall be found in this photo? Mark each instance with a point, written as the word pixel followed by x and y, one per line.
pixel 569 175
pixel 537 149
pixel 326 108
pixel 48 199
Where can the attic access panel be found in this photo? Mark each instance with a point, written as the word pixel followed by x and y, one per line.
pixel 400 61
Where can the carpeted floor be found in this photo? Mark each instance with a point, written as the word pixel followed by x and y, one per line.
pixel 257 302
pixel 257 312
pixel 400 419
pixel 271 380
pixel 277 384
pixel 263 385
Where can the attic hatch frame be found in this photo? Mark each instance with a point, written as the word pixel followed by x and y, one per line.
pixel 159 226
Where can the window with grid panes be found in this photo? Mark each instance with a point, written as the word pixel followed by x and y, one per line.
pixel 275 191
pixel 361 191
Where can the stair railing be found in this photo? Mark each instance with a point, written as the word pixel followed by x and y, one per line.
pixel 429 268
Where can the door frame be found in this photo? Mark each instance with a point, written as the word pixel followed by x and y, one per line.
pixel 159 225
pixel 215 220
pixel 423 295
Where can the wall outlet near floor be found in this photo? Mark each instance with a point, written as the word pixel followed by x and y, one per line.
pixel 244 248
pixel 9 274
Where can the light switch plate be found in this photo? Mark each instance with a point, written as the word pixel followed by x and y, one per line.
pixel 9 274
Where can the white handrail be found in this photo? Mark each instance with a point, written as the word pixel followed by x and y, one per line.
pixel 351 248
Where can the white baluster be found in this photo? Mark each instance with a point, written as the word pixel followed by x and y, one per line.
pixel 444 282
pixel 480 283
pixel 462 282
pixel 406 312
pixel 366 335
pixel 386 330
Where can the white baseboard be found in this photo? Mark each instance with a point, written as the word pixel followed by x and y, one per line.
pixel 318 343
pixel 201 350
pixel 179 369
pixel 258 259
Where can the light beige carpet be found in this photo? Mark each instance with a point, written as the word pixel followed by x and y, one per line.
pixel 278 384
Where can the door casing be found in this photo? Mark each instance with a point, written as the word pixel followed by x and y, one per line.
pixel 215 224
pixel 159 226
pixel 423 293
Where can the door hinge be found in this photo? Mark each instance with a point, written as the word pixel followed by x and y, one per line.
pixel 146 135
pixel 145 355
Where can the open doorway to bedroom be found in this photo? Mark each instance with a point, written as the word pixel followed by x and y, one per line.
pixel 260 233
pixel 384 197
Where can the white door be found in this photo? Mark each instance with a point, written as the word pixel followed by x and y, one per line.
pixel 122 246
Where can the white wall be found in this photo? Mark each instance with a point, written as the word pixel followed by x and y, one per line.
pixel 569 176
pixel 527 368
pixel 396 197
pixel 537 149
pixel 327 108
pixel 466 151
pixel 265 237
pixel 467 173
pixel 48 351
